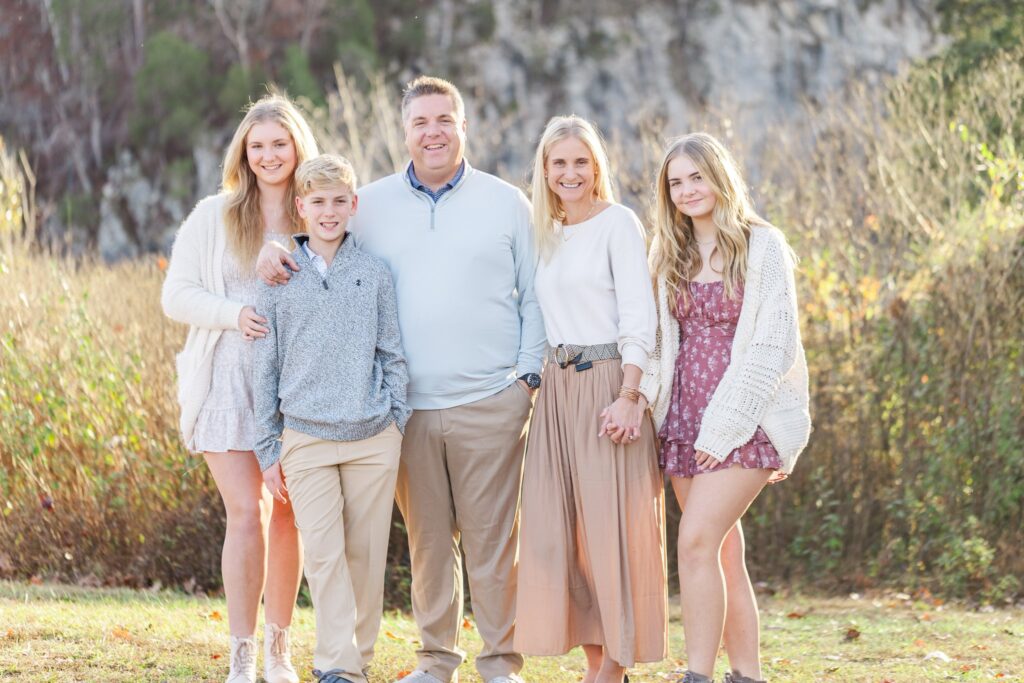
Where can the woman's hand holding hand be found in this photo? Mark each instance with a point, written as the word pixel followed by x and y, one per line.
pixel 705 459
pixel 621 420
pixel 251 324
pixel 273 478
pixel 270 264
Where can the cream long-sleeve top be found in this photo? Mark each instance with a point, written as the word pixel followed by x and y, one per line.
pixel 766 382
pixel 596 288
pixel 194 293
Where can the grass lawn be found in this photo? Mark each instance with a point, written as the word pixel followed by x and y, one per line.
pixel 64 633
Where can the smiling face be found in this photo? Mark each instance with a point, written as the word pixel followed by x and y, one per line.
pixel 435 135
pixel 270 151
pixel 326 213
pixel 571 171
pixel 689 191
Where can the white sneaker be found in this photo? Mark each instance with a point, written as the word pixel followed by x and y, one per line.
pixel 243 660
pixel 277 657
pixel 511 678
pixel 418 676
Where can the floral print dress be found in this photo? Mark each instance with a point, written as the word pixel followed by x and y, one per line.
pixel 707 324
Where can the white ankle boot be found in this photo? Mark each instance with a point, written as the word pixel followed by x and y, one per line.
pixel 277 656
pixel 243 660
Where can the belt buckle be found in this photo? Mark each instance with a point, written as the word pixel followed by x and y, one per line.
pixel 559 351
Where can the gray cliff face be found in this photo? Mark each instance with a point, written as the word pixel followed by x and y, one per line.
pixel 674 63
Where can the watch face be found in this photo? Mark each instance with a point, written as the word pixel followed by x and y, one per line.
pixel 532 380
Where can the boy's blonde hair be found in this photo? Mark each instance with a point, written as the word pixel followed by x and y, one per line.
pixel 322 172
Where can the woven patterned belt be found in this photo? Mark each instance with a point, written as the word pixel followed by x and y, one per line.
pixel 582 356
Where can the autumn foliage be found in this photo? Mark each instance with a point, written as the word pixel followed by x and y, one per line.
pixel 907 211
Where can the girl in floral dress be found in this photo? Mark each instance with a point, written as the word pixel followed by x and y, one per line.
pixel 727 384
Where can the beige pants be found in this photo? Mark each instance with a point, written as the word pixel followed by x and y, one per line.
pixel 341 492
pixel 459 478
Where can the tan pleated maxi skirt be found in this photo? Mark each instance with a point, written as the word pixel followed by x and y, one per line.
pixel 592 543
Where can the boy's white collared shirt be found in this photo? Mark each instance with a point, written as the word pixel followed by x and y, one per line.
pixel 317 259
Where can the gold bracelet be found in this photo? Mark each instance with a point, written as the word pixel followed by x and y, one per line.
pixel 631 393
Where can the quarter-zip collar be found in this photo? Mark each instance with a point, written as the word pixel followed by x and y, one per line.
pixel 344 252
pixel 467 171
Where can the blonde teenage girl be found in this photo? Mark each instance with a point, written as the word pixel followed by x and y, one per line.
pixel 727 384
pixel 211 286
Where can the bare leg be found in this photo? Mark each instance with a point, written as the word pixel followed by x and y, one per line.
pixel 714 502
pixel 611 671
pixel 284 566
pixel 248 506
pixel 595 656
pixel 742 622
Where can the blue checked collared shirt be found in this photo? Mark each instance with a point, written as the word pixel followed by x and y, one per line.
pixel 439 192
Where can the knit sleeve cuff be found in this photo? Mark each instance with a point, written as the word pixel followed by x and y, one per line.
pixel 715 445
pixel 269 455
pixel 227 316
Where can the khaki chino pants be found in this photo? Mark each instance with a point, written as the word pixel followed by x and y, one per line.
pixel 341 493
pixel 459 479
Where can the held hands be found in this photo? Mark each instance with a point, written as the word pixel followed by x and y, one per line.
pixel 273 479
pixel 621 420
pixel 251 324
pixel 270 264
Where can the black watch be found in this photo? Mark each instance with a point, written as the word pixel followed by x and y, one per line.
pixel 532 380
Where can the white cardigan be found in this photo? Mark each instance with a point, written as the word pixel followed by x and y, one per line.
pixel 193 293
pixel 766 381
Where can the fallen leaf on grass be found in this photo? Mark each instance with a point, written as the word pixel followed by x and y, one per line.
pixel 1000 675
pixel 920 643
pixel 391 635
pixel 796 615
pixel 10 633
pixel 924 617
pixel 402 674
pixel 121 633
pixel 979 646
pixel 36 581
pixel 216 616
pixel 937 655
pixel 852 634
pixel 216 655
pixel 466 624
pixel 964 668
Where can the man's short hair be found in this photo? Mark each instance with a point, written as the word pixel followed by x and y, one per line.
pixel 431 85
pixel 322 172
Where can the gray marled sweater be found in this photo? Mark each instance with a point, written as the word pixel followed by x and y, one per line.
pixel 332 364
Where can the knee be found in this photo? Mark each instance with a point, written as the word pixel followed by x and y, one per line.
pixel 697 543
pixel 247 514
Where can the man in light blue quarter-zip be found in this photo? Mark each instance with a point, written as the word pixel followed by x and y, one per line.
pixel 459 246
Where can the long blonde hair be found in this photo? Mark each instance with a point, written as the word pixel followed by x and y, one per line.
pixel 243 218
pixel 674 252
pixel 548 211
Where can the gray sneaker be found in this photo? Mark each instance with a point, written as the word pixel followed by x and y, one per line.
pixel 736 677
pixel 691 677
pixel 511 678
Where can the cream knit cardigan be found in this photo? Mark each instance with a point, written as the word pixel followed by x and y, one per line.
pixel 193 293
pixel 766 381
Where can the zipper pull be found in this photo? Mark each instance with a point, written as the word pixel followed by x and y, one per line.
pixel 325 284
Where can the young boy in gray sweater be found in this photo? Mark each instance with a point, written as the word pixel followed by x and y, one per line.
pixel 330 402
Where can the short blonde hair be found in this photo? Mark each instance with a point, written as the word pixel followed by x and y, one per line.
pixel 323 172
pixel 432 85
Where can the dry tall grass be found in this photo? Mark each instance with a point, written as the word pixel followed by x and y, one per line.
pixel 908 213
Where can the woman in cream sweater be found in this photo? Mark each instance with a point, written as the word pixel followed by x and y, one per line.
pixel 211 287
pixel 592 554
pixel 727 384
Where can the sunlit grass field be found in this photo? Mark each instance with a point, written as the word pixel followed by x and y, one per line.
pixel 62 633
